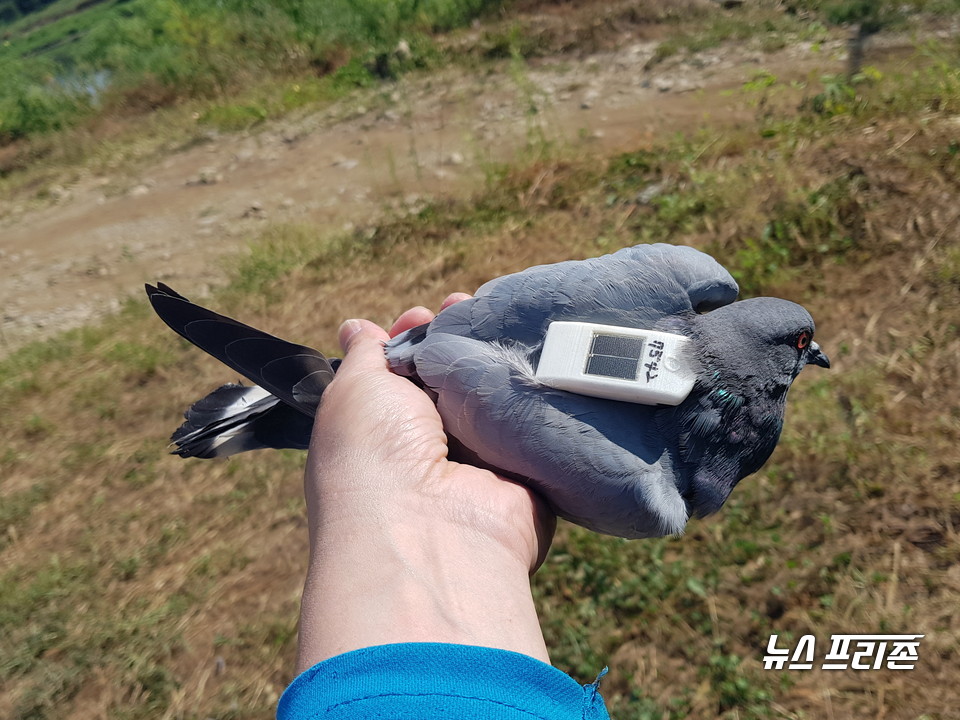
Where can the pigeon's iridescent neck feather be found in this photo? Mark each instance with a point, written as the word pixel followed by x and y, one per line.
pixel 730 424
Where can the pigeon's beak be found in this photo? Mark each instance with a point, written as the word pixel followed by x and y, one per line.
pixel 816 356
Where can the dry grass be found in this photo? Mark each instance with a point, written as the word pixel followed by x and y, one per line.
pixel 135 584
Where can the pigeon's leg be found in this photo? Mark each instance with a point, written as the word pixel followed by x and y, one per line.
pixel 601 463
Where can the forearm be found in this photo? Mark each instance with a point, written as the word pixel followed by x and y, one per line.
pixel 406 546
pixel 378 578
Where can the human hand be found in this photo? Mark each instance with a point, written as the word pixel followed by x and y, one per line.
pixel 407 545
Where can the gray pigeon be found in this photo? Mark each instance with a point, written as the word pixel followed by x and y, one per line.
pixel 615 467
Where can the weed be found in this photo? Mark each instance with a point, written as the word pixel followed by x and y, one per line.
pixel 142 466
pixel 838 97
pixel 55 686
pixel 94 394
pixel 36 428
pixel 639 706
pixel 770 30
pixel 126 568
pixel 234 117
pixel 538 146
pixel 32 617
pixel 735 687
pixel 20 371
pixel 275 253
pixel 17 508
pixel 806 226
pixel 220 561
pixel 30 106
pixel 947 269
pixel 82 454
pixel 152 685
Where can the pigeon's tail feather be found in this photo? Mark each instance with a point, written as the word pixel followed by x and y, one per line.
pixel 237 418
pixel 295 374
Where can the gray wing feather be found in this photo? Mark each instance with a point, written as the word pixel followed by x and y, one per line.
pixel 575 449
pixel 634 287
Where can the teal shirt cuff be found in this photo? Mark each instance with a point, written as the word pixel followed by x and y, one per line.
pixel 410 681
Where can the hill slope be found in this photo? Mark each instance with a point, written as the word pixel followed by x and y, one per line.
pixel 135 584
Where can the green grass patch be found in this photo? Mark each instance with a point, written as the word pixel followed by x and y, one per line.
pixel 138 359
pixel 277 252
pixel 273 99
pixel 138 55
pixel 33 610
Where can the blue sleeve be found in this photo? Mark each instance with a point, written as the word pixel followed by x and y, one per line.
pixel 413 681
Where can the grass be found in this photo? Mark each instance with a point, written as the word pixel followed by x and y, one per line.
pixel 157 99
pixel 136 584
pixel 767 28
pixel 136 56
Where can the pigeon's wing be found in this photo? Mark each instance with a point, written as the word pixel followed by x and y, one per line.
pixel 705 282
pixel 238 418
pixel 642 286
pixel 600 463
pixel 294 373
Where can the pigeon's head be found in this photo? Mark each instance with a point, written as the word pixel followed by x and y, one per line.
pixel 767 340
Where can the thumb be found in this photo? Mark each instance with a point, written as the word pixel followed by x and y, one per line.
pixel 362 342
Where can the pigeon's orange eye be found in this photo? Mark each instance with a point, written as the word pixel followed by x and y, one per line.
pixel 803 339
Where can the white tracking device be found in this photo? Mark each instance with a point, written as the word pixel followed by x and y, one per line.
pixel 617 363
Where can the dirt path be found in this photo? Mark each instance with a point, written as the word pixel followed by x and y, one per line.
pixel 347 165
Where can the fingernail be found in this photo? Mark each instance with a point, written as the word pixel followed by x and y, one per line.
pixel 347 331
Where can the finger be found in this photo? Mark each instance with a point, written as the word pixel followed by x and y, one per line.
pixel 362 342
pixel 413 317
pixel 453 298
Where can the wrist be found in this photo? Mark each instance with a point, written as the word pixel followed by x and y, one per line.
pixel 398 572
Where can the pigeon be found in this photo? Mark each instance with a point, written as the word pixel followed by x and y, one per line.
pixel 619 468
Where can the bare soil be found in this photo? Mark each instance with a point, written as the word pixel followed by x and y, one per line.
pixel 76 253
